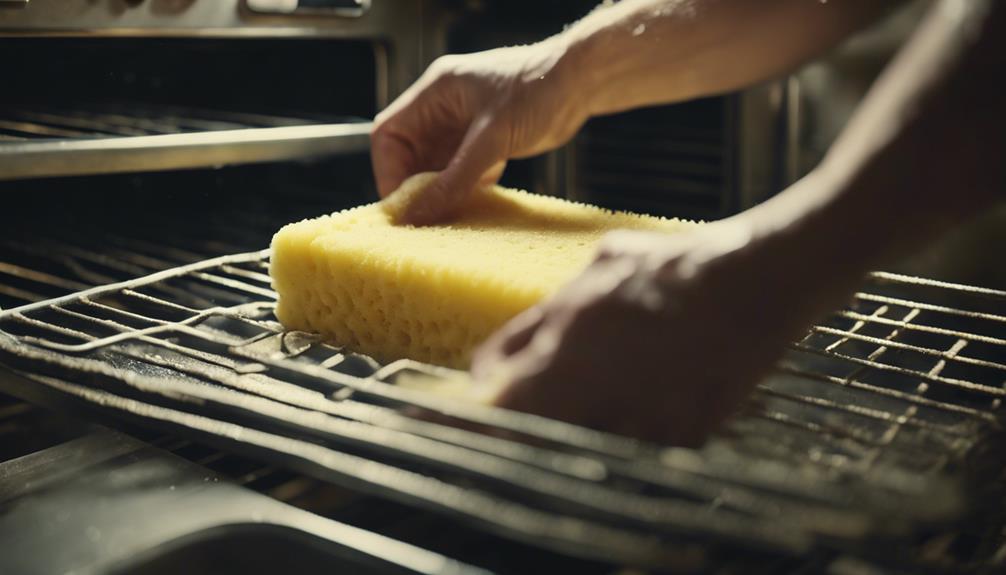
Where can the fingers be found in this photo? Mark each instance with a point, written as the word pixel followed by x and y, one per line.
pixel 392 158
pixel 392 154
pixel 444 122
pixel 481 152
pixel 409 119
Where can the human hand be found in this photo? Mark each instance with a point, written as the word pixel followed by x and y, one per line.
pixel 467 115
pixel 661 337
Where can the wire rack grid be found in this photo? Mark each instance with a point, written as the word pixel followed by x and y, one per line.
pixel 865 436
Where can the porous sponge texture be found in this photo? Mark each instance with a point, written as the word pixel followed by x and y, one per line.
pixel 434 293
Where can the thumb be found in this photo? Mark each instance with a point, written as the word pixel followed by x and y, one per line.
pixel 480 156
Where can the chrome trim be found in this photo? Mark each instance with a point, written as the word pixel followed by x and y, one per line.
pixel 757 142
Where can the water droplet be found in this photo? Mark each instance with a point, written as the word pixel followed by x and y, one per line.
pixel 639 30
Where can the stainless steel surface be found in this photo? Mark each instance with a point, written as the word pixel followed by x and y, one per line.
pixel 118 505
pixel 400 29
pixel 837 451
pixel 701 160
pixel 793 168
pixel 757 172
pixel 175 151
pixel 669 160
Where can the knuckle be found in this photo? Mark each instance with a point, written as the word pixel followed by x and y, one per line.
pixel 442 62
pixel 444 66
pixel 450 60
pixel 380 129
pixel 438 83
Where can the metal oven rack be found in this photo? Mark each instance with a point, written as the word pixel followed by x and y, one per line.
pixel 106 139
pixel 864 444
pixel 400 37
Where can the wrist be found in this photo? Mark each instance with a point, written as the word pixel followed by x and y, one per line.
pixel 613 62
pixel 583 71
pixel 633 54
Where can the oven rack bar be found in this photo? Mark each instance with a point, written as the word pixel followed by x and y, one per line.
pixel 259 371
pixel 22 159
pixel 117 137
pixel 126 335
pixel 571 465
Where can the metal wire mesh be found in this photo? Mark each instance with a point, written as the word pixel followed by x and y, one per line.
pixel 866 436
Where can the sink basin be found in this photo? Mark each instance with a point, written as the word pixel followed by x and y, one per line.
pixel 108 504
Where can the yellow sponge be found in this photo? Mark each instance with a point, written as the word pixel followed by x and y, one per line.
pixel 434 293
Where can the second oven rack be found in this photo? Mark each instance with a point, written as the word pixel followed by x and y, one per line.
pixel 120 138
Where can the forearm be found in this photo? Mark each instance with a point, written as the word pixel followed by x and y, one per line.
pixel 643 52
pixel 923 153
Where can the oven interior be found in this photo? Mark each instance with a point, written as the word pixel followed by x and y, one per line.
pixel 874 449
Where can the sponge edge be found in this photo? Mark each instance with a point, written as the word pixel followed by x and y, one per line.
pixel 434 293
